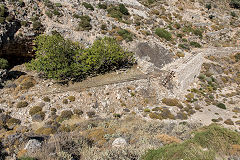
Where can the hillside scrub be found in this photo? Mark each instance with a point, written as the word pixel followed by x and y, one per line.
pixel 161 32
pixel 3 63
pixel 207 143
pixel 62 59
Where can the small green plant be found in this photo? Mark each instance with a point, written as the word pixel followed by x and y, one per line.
pixel 127 35
pixel 233 14
pixel 35 110
pixel 161 32
pixel 46 99
pixel 85 23
pixel 235 4
pixel 71 98
pixel 3 11
pixel 237 57
pixel 104 27
pixel 22 104
pixel 147 110
pixel 58 4
pixel 221 105
pixel 3 63
pixel 170 101
pixel 208 6
pixel 88 6
pixel 114 12
pixel 123 9
pixel 195 44
pixel 2 20
pixel 24 23
pixel 56 12
pixel 216 139
pixel 37 25
pixel 184 46
pixel 102 5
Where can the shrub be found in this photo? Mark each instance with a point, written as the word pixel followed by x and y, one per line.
pixel 24 23
pixel 183 46
pixel 71 98
pixel 3 63
pixel 65 115
pixel 103 27
pixel 88 6
pixel 235 4
pixel 198 32
pixel 58 4
pixel 237 57
pixel 123 9
pixel 125 34
pixel 233 14
pixel 163 34
pixel 58 58
pixel 9 18
pixel 22 104
pixel 3 11
pixel 85 23
pixel 35 110
pixel 208 6
pixel 2 20
pixel 104 55
pixel 170 101
pixel 37 25
pixel 102 5
pixel 56 12
pixel 46 99
pixel 195 44
pixel 221 105
pixel 216 139
pixel 54 55
pixel 114 12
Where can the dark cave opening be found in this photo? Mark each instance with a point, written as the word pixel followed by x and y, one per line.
pixel 17 52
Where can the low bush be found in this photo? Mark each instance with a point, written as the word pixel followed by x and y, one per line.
pixel 237 57
pixel 88 6
pixel 2 20
pixel 123 9
pixel 195 44
pixel 235 4
pixel 102 5
pixel 3 63
pixel 161 32
pixel 85 23
pixel 221 105
pixel 35 110
pixel 170 101
pixel 125 34
pixel 118 11
pixel 216 139
pixel 22 104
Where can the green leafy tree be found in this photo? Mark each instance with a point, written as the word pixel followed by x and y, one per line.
pixel 54 56
pixel 104 55
pixel 58 58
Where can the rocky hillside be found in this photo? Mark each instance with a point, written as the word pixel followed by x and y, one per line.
pixel 185 75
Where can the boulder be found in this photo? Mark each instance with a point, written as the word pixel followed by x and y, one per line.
pixel 119 142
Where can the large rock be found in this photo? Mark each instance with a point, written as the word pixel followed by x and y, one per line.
pixel 119 142
pixel 33 145
pixel 156 55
